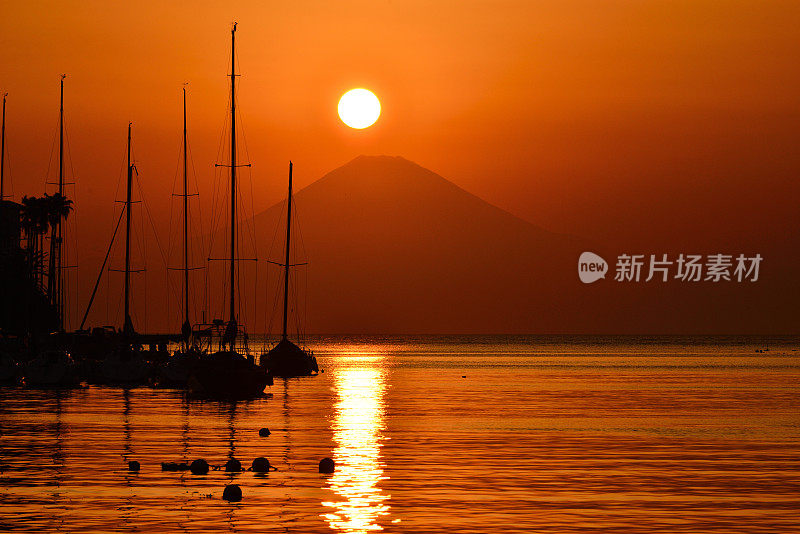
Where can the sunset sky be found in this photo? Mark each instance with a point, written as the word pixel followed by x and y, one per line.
pixel 662 125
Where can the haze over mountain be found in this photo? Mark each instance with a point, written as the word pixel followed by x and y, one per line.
pixel 395 248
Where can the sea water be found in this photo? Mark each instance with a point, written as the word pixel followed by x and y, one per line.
pixel 432 434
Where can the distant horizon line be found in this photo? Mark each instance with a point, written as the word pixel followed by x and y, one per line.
pixel 540 335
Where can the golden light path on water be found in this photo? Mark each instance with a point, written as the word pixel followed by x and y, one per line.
pixel 357 433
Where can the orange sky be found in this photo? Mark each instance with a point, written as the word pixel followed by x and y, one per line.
pixel 659 124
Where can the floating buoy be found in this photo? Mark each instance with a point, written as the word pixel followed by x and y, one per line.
pixel 260 465
pixel 174 466
pixel 264 432
pixel 199 467
pixel 233 466
pixel 134 466
pixel 326 465
pixel 232 493
pixel 463 376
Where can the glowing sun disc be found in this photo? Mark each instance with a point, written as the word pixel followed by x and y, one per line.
pixel 359 108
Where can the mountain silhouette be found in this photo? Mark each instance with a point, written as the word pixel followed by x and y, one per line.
pixel 395 248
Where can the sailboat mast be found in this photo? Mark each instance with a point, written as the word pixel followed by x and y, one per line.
pixel 185 218
pixel 61 139
pixel 3 151
pixel 286 264
pixel 60 230
pixel 233 176
pixel 128 325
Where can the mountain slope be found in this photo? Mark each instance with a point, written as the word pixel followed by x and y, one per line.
pixel 396 248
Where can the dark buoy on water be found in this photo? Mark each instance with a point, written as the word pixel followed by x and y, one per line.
pixel 174 466
pixel 199 467
pixel 134 466
pixel 264 432
pixel 232 493
pixel 260 465
pixel 233 466
pixel 326 465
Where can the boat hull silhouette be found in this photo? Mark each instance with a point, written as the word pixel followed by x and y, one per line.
pixel 51 369
pixel 124 368
pixel 228 375
pixel 287 360
pixel 178 370
pixel 10 372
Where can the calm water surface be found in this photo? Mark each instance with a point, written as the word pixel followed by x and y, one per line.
pixel 483 434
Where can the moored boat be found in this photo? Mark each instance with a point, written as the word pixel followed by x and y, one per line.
pixel 231 372
pixel 229 375
pixel 124 367
pixel 9 369
pixel 51 368
pixel 287 359
pixel 178 369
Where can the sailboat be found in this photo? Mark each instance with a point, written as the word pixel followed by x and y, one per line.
pixel 178 369
pixel 52 366
pixel 287 359
pixel 227 374
pixel 125 365
pixel 108 355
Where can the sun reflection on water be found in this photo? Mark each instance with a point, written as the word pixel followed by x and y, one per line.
pixel 357 431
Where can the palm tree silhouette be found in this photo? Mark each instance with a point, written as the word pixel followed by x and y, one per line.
pixel 38 216
pixel 57 208
pixel 35 223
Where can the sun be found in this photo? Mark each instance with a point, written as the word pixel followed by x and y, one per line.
pixel 359 108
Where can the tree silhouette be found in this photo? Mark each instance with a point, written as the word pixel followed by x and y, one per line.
pixel 35 222
pixel 57 208
pixel 40 214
